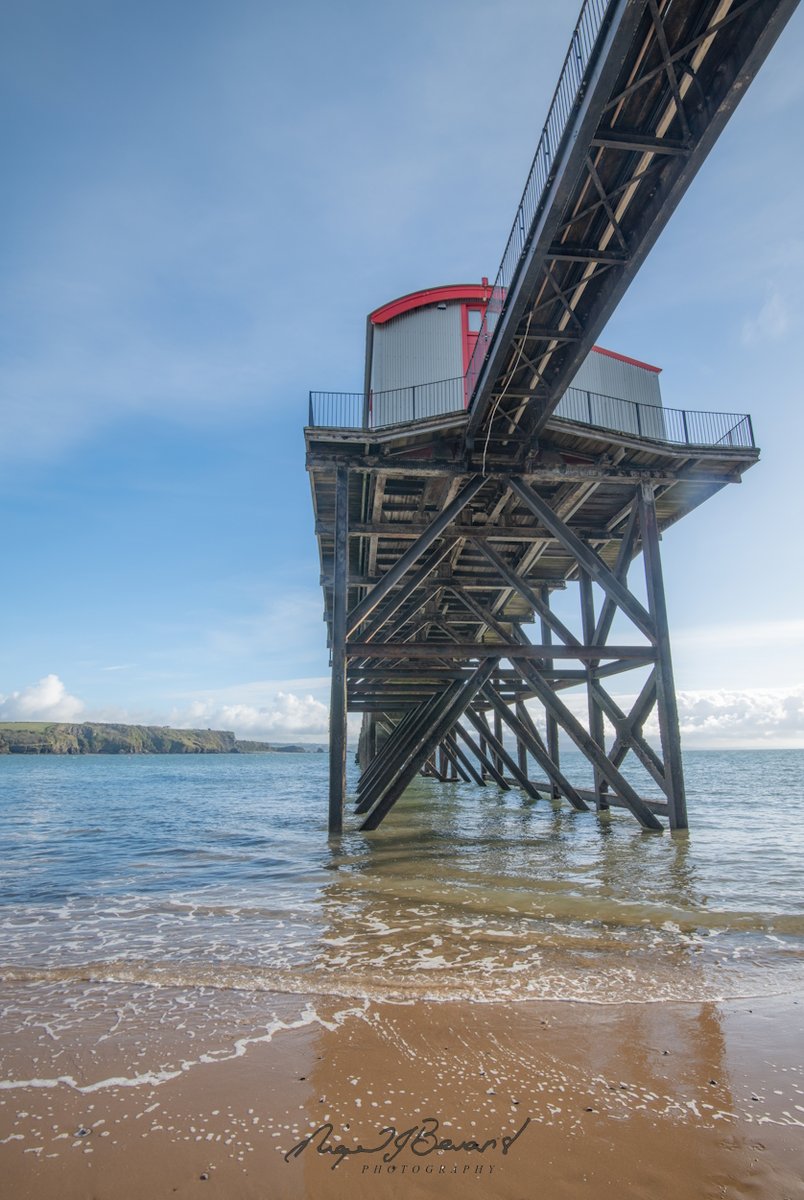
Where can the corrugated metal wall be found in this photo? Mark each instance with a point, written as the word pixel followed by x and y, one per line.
pixel 611 377
pixel 415 354
pixel 422 346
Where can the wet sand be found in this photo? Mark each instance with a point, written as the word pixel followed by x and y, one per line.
pixel 637 1100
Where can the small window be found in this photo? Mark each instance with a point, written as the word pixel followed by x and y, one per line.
pixel 474 320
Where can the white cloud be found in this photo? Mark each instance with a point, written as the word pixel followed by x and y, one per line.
pixel 748 718
pixel 47 700
pixel 772 717
pixel 770 324
pixel 287 714
pixel 710 719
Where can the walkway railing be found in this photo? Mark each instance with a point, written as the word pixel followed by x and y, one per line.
pixel 397 406
pixel 564 103
pixel 684 427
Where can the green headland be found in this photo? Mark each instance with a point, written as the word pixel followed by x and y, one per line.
pixel 46 737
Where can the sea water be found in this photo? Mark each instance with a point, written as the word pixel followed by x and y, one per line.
pixel 198 894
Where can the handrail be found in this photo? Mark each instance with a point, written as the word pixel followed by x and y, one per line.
pixel 569 91
pixel 394 406
pixel 654 422
pixel 648 422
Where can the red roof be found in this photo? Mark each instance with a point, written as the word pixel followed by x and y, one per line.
pixel 635 362
pixel 436 295
pixel 468 291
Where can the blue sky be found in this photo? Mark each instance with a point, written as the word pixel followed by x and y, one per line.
pixel 202 203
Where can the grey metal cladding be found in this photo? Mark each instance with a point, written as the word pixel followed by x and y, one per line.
pixel 422 346
pixel 609 376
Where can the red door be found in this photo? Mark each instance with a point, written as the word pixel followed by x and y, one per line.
pixel 472 325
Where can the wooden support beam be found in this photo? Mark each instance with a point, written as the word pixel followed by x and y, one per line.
pixel 636 719
pixel 436 651
pixel 443 719
pixel 456 766
pixel 624 556
pixel 665 686
pixel 464 759
pixel 587 746
pixel 498 735
pixel 502 757
pixel 407 589
pixel 337 707
pixel 528 593
pixel 396 750
pixel 640 143
pixel 596 726
pixel 481 754
pixel 522 731
pixel 521 747
pixel 586 558
pixel 625 731
pixel 486 619
pixel 396 530
pixel 395 739
pixel 369 603
pixel 551 725
pixel 562 252
pixel 411 468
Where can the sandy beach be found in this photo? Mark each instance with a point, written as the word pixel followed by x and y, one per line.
pixel 631 1100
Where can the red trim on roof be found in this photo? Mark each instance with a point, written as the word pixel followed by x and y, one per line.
pixel 469 292
pixel 634 362
pixel 437 295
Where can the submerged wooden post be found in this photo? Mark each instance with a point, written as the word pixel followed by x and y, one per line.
pixel 551 724
pixel 522 750
pixel 596 727
pixel 665 686
pixel 498 733
pixel 337 706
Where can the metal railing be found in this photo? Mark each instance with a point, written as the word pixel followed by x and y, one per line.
pixel 683 427
pixel 353 410
pixel 336 410
pixel 396 406
pixel 564 103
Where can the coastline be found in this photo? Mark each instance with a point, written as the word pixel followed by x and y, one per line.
pixel 659 1099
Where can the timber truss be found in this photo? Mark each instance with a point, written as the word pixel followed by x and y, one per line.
pixel 435 577
pixel 657 89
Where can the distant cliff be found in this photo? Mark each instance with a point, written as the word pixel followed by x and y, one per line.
pixel 25 737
